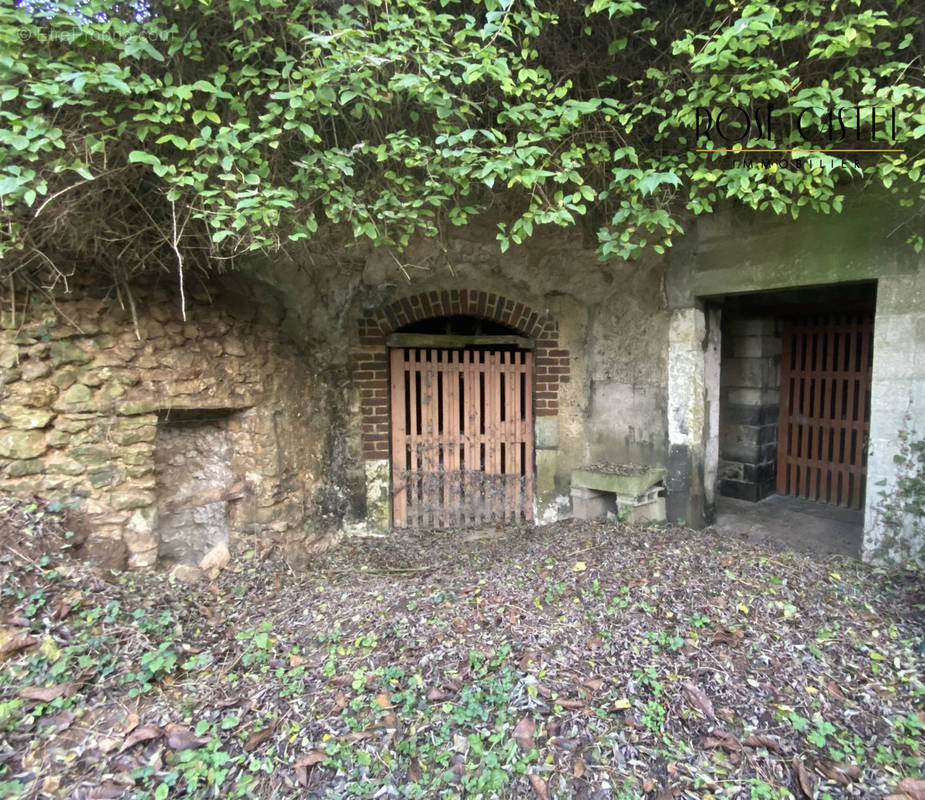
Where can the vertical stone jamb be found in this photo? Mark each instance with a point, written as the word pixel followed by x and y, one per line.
pixel 897 410
pixel 687 417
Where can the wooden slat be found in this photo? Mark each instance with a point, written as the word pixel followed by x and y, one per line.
pixel 451 498
pixel 825 380
pixel 458 463
pixel 528 437
pixel 473 421
pixel 512 467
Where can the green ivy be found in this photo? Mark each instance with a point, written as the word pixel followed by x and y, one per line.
pixel 214 128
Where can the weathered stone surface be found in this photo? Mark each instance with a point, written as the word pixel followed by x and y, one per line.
pixel 65 352
pixel 103 476
pixel 215 559
pixel 95 377
pixel 111 392
pixel 64 330
pixel 212 348
pixel 63 378
pixel 100 439
pixel 9 375
pixel 37 395
pixel 145 406
pixel 27 418
pixel 78 394
pixel 131 499
pixel 74 423
pixel 33 370
pixel 9 356
pixel 144 433
pixel 161 313
pixel 21 444
pixel 233 346
pixel 20 468
pixel 65 466
pixel 152 329
pixel 92 454
pixel 634 484
pixel 137 455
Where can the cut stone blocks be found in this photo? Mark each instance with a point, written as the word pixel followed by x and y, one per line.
pixel 634 498
pixel 592 503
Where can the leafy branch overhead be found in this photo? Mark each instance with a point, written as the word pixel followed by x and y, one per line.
pixel 217 128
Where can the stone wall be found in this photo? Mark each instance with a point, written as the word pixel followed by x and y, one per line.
pixel 749 406
pixel 600 331
pixel 86 395
pixel 737 253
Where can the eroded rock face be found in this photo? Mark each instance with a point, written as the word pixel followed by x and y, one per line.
pixel 193 475
pixel 91 413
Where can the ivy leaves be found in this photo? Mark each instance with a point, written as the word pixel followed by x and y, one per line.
pixel 262 121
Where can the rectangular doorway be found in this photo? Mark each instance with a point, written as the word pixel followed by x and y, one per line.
pixel 462 436
pixel 826 365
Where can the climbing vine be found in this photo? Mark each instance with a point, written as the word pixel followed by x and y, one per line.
pixel 901 507
pixel 183 135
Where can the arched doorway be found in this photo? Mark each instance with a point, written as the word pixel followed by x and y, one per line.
pixel 461 420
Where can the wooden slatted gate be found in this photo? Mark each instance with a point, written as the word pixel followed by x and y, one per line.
pixel 825 407
pixel 462 437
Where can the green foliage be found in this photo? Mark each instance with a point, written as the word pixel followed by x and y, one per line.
pixel 214 129
pixel 901 507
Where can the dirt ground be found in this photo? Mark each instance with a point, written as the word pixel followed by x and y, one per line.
pixel 579 660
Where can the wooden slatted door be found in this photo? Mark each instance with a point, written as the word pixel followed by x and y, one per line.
pixel 825 407
pixel 462 437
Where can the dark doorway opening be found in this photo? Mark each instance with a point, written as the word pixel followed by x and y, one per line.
pixel 794 389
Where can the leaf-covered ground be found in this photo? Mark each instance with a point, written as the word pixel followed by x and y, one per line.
pixel 578 660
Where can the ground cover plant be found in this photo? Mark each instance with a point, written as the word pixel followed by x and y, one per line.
pixel 578 660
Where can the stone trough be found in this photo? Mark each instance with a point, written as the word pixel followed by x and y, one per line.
pixel 632 493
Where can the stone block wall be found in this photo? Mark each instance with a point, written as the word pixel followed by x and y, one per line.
pixel 749 406
pixel 86 393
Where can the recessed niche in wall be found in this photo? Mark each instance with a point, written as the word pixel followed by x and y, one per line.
pixel 193 470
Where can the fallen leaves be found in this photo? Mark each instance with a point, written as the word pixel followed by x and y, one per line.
pixel 257 738
pixel 143 734
pixel 180 738
pixel 523 733
pixel 622 677
pixel 45 694
pixel 762 740
pixel 804 779
pixel 305 762
pixel 698 698
pixel 909 789
pixel 839 774
pixel 539 786
pixel 12 643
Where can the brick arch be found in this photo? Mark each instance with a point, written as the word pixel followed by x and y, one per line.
pixel 370 358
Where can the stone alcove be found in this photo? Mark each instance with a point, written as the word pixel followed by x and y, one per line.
pixel 195 482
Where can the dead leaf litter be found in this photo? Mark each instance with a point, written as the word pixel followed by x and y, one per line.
pixel 673 664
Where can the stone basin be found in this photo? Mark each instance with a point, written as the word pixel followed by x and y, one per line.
pixel 633 484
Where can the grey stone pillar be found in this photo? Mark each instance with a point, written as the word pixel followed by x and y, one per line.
pixel 693 385
pixel 897 418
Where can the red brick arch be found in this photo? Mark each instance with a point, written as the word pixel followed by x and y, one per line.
pixel 370 358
